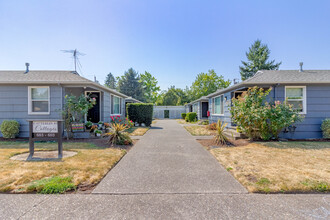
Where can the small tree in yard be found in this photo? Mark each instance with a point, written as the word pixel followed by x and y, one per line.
pixel 75 109
pixel 259 119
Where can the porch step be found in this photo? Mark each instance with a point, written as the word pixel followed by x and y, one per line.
pixel 232 133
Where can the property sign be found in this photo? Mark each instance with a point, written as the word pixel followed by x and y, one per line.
pixel 45 130
pixel 45 127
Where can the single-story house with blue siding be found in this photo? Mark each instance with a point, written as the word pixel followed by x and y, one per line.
pixel 200 106
pixel 41 95
pixel 307 90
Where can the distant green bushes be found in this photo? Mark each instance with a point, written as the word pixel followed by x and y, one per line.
pixel 191 117
pixel 183 115
pixel 140 112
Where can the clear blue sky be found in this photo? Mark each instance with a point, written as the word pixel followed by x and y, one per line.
pixel 172 39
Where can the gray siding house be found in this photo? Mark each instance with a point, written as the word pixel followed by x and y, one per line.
pixel 307 90
pixel 41 95
pixel 200 106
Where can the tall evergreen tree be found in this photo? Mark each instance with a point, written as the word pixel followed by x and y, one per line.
pixel 129 84
pixel 110 81
pixel 257 56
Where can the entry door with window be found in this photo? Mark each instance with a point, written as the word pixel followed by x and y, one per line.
pixel 94 114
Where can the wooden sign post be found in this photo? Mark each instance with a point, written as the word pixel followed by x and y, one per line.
pixel 45 130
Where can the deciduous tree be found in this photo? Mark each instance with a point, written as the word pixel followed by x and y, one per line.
pixel 207 83
pixel 150 88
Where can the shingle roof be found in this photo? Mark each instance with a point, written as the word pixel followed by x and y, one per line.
pixel 264 77
pixel 291 76
pixel 49 77
pixel 133 100
pixel 203 98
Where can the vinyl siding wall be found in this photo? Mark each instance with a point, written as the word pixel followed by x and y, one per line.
pixel 226 117
pixel 14 106
pixel 318 108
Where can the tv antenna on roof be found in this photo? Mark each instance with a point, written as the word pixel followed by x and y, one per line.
pixel 75 53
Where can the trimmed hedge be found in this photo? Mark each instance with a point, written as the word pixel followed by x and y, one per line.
pixel 191 116
pixel 9 128
pixel 140 112
pixel 183 115
pixel 326 128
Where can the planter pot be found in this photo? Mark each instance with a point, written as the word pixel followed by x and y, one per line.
pixel 98 135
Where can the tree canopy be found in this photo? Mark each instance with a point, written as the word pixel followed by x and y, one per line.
pixel 129 84
pixel 150 88
pixel 207 83
pixel 257 56
pixel 110 81
pixel 173 96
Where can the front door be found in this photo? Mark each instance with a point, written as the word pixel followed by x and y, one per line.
pixel 205 108
pixel 94 114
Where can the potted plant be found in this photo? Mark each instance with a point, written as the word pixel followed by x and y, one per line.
pixel 98 133
pixel 93 128
pixel 100 123
pixel 88 124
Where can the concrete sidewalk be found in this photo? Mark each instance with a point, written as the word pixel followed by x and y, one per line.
pixel 165 206
pixel 167 159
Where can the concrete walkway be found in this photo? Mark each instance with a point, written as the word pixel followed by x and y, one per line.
pixel 167 175
pixel 167 159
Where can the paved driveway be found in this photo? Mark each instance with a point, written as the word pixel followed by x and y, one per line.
pixel 168 159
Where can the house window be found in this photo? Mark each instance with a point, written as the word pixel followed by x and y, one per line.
pixel 38 100
pixel 296 96
pixel 218 108
pixel 116 105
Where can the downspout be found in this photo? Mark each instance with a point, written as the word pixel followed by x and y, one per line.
pixel 275 91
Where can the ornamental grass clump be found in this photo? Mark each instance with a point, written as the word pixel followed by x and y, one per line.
pixel 259 119
pixel 117 135
pixel 220 137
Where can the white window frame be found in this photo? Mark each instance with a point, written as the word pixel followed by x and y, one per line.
pixel 222 105
pixel 304 99
pixel 30 112
pixel 113 103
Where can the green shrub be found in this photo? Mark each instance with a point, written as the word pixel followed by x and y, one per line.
pixel 326 128
pixel 191 116
pixel 9 128
pixel 259 119
pixel 183 115
pixel 52 185
pixel 140 112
